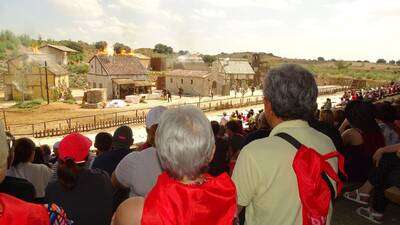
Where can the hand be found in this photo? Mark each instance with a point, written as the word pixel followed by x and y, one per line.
pixel 377 156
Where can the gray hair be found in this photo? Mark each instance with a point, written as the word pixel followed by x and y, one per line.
pixel 184 142
pixel 292 91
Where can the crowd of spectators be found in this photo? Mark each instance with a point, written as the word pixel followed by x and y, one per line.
pixel 194 171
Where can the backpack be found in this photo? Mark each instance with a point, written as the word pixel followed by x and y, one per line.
pixel 313 172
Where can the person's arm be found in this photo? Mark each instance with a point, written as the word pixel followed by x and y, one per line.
pixel 388 149
pixel 344 125
pixel 129 212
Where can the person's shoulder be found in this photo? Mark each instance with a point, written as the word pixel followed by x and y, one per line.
pixel 96 173
pixel 17 181
pixel 39 167
pixel 262 145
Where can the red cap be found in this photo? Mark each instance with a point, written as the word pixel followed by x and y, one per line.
pixel 74 146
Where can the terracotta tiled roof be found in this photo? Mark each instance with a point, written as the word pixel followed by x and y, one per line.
pixel 189 73
pixel 122 65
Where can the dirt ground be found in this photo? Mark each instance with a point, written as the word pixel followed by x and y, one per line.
pixel 60 111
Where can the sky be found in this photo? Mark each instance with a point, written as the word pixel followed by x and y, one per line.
pixel 307 29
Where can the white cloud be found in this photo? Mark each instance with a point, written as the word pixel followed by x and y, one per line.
pixel 208 13
pixel 271 4
pixel 79 8
pixel 145 5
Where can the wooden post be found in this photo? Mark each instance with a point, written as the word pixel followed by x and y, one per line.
pixel 47 83
pixel 4 118
pixel 33 129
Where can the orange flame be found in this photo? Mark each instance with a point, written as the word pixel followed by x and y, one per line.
pixel 125 53
pixel 102 52
pixel 35 49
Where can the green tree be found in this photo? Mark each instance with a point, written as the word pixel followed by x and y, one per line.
pixel 398 62
pixel 73 45
pixel 321 59
pixel 381 61
pixel 342 65
pixel 209 59
pixel 25 40
pixel 183 52
pixel 392 62
pixel 163 49
pixel 100 45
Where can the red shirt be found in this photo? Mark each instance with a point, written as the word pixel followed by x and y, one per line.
pixel 173 203
pixel 18 212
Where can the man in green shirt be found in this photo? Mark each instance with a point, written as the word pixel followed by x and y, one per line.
pixel 265 180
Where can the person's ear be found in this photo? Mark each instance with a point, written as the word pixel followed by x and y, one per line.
pixel 267 105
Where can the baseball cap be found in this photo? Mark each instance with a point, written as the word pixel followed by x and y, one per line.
pixel 74 146
pixel 154 115
pixel 123 135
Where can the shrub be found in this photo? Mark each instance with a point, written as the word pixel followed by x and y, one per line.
pixel 381 61
pixel 28 104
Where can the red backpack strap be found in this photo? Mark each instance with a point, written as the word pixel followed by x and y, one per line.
pixel 295 143
pixel 341 175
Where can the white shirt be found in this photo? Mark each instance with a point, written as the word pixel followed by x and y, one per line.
pixel 139 171
pixel 38 174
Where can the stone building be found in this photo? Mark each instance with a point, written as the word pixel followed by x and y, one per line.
pixel 193 82
pixel 234 73
pixel 26 77
pixel 59 53
pixel 119 75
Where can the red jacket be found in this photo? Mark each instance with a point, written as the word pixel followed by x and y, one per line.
pixel 18 212
pixel 173 203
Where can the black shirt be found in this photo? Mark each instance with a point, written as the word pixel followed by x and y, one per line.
pixel 329 131
pixel 90 202
pixel 220 162
pixel 19 188
pixel 109 160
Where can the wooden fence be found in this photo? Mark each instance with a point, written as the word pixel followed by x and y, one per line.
pixel 133 117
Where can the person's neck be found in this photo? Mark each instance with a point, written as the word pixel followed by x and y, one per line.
pixel 187 180
pixel 276 121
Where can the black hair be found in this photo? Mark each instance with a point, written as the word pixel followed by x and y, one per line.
pixel 103 141
pixel 233 126
pixel 385 112
pixel 361 115
pixel 23 150
pixel 68 173
pixel 215 127
pixel 39 158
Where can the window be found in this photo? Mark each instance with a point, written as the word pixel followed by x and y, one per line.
pixel 172 80
pixel 94 85
pixel 100 85
pixel 191 81
pixel 181 81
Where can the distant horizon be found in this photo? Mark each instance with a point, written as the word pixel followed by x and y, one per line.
pixel 348 30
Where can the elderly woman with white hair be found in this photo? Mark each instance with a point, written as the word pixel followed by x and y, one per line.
pixel 184 193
